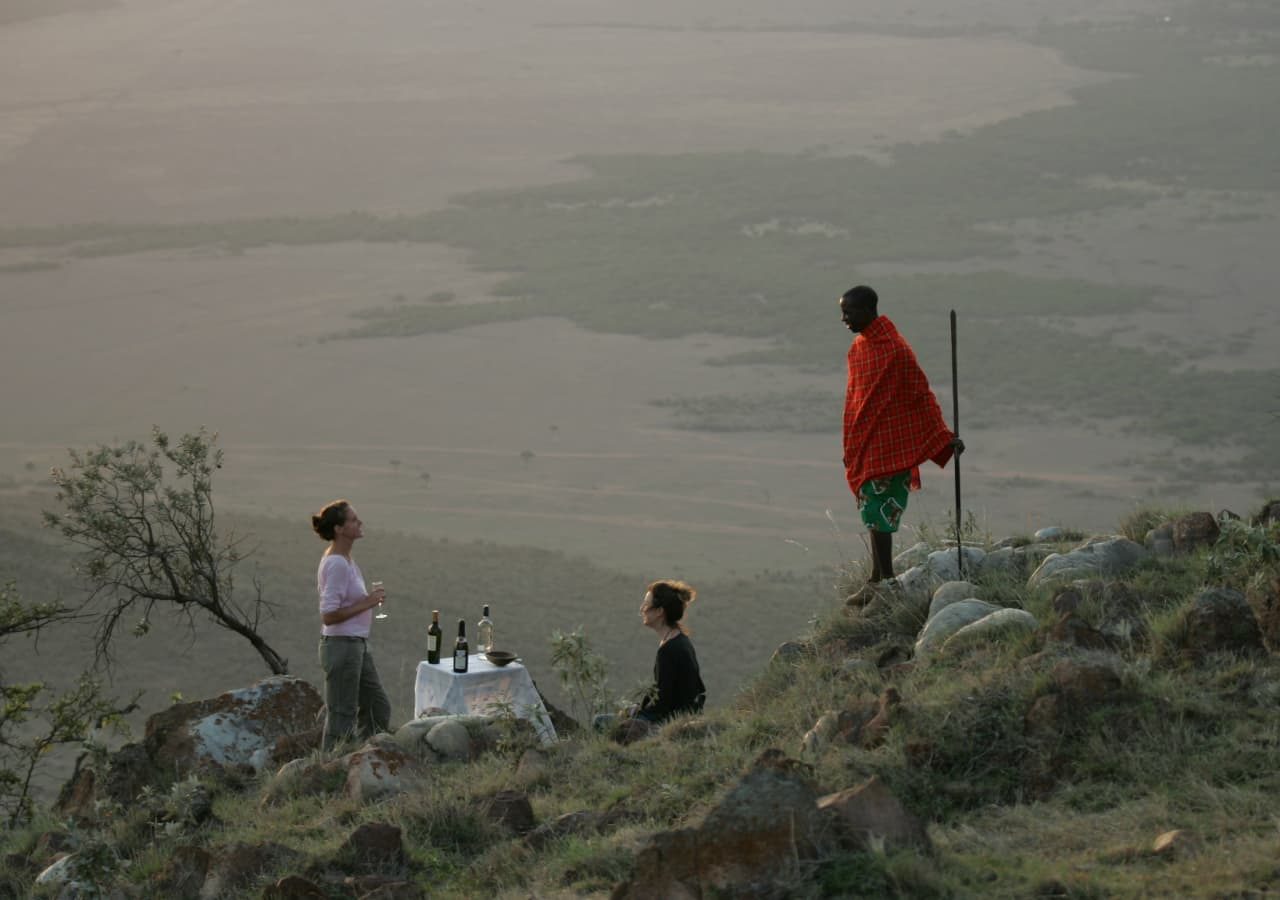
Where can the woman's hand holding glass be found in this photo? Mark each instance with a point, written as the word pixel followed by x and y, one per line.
pixel 379 592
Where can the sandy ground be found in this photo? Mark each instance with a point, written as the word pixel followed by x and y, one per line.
pixel 200 110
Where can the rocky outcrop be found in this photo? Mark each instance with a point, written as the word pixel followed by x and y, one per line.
pixel 240 731
pixel 238 728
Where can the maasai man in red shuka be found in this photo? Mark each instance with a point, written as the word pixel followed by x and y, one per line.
pixel 892 424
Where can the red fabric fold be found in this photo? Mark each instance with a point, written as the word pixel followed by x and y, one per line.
pixel 892 420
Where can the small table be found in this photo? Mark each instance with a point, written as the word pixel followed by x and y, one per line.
pixel 484 689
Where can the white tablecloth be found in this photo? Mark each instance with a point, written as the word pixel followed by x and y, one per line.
pixel 484 689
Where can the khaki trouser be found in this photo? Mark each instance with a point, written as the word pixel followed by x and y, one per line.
pixel 355 703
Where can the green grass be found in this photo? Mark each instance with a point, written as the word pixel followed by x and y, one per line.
pixel 1011 814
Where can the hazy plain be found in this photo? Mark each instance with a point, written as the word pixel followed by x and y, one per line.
pixel 193 111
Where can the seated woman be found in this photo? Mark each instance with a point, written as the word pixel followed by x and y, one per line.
pixel 677 680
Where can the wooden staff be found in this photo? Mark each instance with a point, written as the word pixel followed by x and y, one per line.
pixel 955 420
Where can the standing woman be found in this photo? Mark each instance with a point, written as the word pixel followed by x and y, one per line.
pixel 355 702
pixel 675 670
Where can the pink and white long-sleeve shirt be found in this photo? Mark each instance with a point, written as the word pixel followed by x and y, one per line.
pixel 340 583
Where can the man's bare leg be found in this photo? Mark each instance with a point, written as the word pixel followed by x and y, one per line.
pixel 881 556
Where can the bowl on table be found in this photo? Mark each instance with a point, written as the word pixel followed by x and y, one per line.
pixel 500 657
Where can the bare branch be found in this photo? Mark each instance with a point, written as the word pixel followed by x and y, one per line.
pixel 150 539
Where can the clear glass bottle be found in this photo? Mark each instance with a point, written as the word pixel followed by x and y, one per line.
pixel 484 631
pixel 435 637
pixel 460 648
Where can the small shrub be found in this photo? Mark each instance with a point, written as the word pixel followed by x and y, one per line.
pixel 583 674
pixel 1136 524
pixel 1242 551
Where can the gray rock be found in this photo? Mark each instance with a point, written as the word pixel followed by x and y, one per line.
pixel 1060 567
pixel 450 739
pixel 949 593
pixel 374 772
pixel 1000 621
pixel 914 555
pixel 240 727
pixel 1116 555
pixel 1004 559
pixel 1052 533
pixel 948 621
pixel 946 565
pixel 413 735
pixel 1108 556
pixel 918 582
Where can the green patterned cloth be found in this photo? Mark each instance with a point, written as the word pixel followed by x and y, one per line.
pixel 883 501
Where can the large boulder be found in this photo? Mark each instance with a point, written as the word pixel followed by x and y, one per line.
pixel 235 729
pixel 762 824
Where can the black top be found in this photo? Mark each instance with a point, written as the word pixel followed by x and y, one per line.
pixel 680 688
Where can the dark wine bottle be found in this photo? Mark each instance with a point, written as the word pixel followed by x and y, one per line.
pixel 460 648
pixel 435 637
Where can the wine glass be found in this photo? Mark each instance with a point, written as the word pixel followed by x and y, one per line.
pixel 380 614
